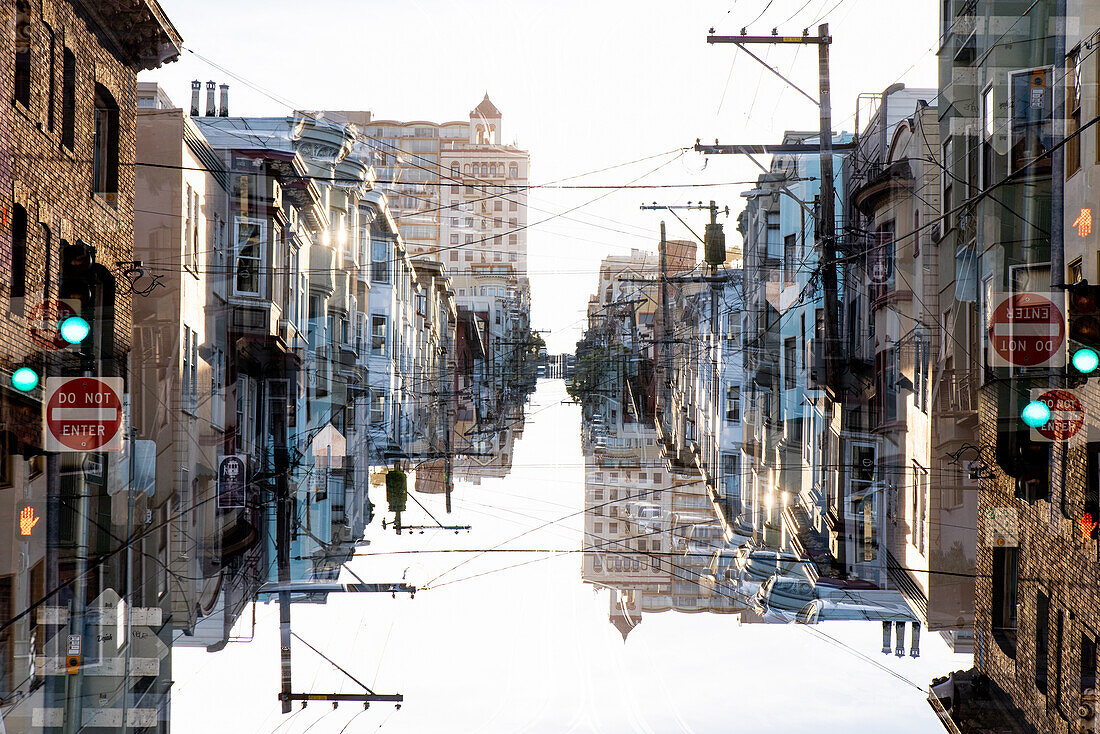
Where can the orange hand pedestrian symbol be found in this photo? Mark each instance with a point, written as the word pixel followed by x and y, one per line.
pixel 1087 525
pixel 27 521
pixel 1083 223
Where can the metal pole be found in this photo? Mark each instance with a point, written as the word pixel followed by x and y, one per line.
pixel 826 222
pixel 665 330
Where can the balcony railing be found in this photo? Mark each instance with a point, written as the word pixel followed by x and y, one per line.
pixel 958 392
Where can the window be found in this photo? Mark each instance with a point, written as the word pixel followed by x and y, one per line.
pixel 379 261
pixel 986 170
pixel 880 266
pixel 217 388
pixel 18 256
pixel 771 235
pixel 513 171
pixel 884 405
pixel 513 257
pixel 250 238
pixel 378 335
pixel 51 82
pixel 454 239
pixel 916 233
pixel 105 144
pixel 191 230
pixel 23 47
pixel 1074 272
pixel 789 264
pixel 1088 661
pixel 1003 609
pixel 189 351
pixel 513 239
pixel 733 403
pixel 68 99
pixel 920 507
pixel 377 407
pixel 921 368
pixel 1042 639
pixel 790 363
pixel 1073 112
pixel 945 178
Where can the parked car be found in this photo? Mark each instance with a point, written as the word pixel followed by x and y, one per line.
pixel 741 533
pixel 682 527
pixel 784 593
pixel 758 565
pixel 886 606
pixel 707 535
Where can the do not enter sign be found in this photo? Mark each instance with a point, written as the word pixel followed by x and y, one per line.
pixel 1067 415
pixel 1026 330
pixel 84 413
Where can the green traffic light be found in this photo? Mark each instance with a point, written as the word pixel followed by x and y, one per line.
pixel 24 379
pixel 1085 360
pixel 1036 414
pixel 75 329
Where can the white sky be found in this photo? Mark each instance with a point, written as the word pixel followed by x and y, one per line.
pixel 582 85
pixel 530 650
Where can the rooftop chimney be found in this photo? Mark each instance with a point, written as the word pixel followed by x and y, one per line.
pixel 914 640
pixel 210 111
pixel 223 108
pixel 886 637
pixel 899 643
pixel 196 87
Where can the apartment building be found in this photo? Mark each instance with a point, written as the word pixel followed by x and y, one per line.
pixel 67 202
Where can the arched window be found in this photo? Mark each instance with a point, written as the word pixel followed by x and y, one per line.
pixel 454 169
pixel 68 99
pixel 484 170
pixel 105 144
pixel 23 48
pixel 18 253
pixel 492 169
pixel 513 171
pixel 466 168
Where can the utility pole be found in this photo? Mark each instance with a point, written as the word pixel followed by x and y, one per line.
pixel 665 331
pixel 826 224
pixel 714 254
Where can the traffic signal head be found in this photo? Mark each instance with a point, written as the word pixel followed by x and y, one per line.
pixel 24 379
pixel 1085 360
pixel 1036 414
pixel 1083 313
pixel 75 329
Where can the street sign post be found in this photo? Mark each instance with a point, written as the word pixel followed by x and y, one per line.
pixel 84 413
pixel 1026 330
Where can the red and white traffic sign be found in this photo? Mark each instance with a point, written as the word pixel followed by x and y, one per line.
pixel 84 413
pixel 1026 330
pixel 1067 414
pixel 44 323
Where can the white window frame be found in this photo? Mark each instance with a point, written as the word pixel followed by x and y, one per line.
pixel 261 261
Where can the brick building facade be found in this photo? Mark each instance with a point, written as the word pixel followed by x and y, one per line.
pixel 67 207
